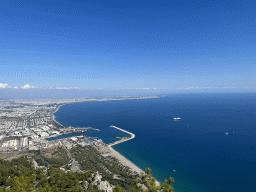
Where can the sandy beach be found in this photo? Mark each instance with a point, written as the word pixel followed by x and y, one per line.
pixel 54 116
pixel 124 160
pixel 55 112
pixel 127 162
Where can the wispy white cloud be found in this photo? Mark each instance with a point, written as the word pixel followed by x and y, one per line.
pixel 16 87
pixel 3 86
pixel 68 87
pixel 27 86
pixel 199 88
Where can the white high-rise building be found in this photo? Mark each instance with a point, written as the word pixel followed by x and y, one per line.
pixel 23 141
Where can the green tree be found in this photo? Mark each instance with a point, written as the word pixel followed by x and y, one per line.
pixel 135 187
pixel 150 182
pixel 23 183
pixel 117 188
pixel 148 171
pixel 166 186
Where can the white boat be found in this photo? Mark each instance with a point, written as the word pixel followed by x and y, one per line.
pixel 226 133
pixel 176 118
pixel 174 170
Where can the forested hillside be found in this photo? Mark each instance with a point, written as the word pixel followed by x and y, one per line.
pixel 19 175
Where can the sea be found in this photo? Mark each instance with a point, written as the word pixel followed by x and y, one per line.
pixel 212 148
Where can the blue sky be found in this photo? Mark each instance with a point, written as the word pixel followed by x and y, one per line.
pixel 128 44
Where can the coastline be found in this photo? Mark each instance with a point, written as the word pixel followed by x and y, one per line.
pixel 55 112
pixel 53 117
pixel 124 161
pixel 102 99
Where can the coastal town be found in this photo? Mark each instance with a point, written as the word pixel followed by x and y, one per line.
pixel 26 124
pixel 28 128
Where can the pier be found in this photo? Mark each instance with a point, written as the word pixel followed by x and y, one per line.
pixel 86 128
pixel 123 139
pixel 78 129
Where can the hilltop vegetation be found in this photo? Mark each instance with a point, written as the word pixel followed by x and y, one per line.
pixel 117 174
pixel 19 175
pixel 55 155
pixel 109 167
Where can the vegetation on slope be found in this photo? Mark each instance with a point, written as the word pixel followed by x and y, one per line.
pixel 19 175
pixel 115 173
pixel 54 155
pixel 110 169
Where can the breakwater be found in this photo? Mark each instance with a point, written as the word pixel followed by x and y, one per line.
pixel 123 139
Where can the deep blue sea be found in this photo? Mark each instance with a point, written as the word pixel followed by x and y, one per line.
pixel 204 157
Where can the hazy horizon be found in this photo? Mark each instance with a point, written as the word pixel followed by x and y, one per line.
pixel 82 93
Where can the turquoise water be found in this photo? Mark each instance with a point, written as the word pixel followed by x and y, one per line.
pixel 204 157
